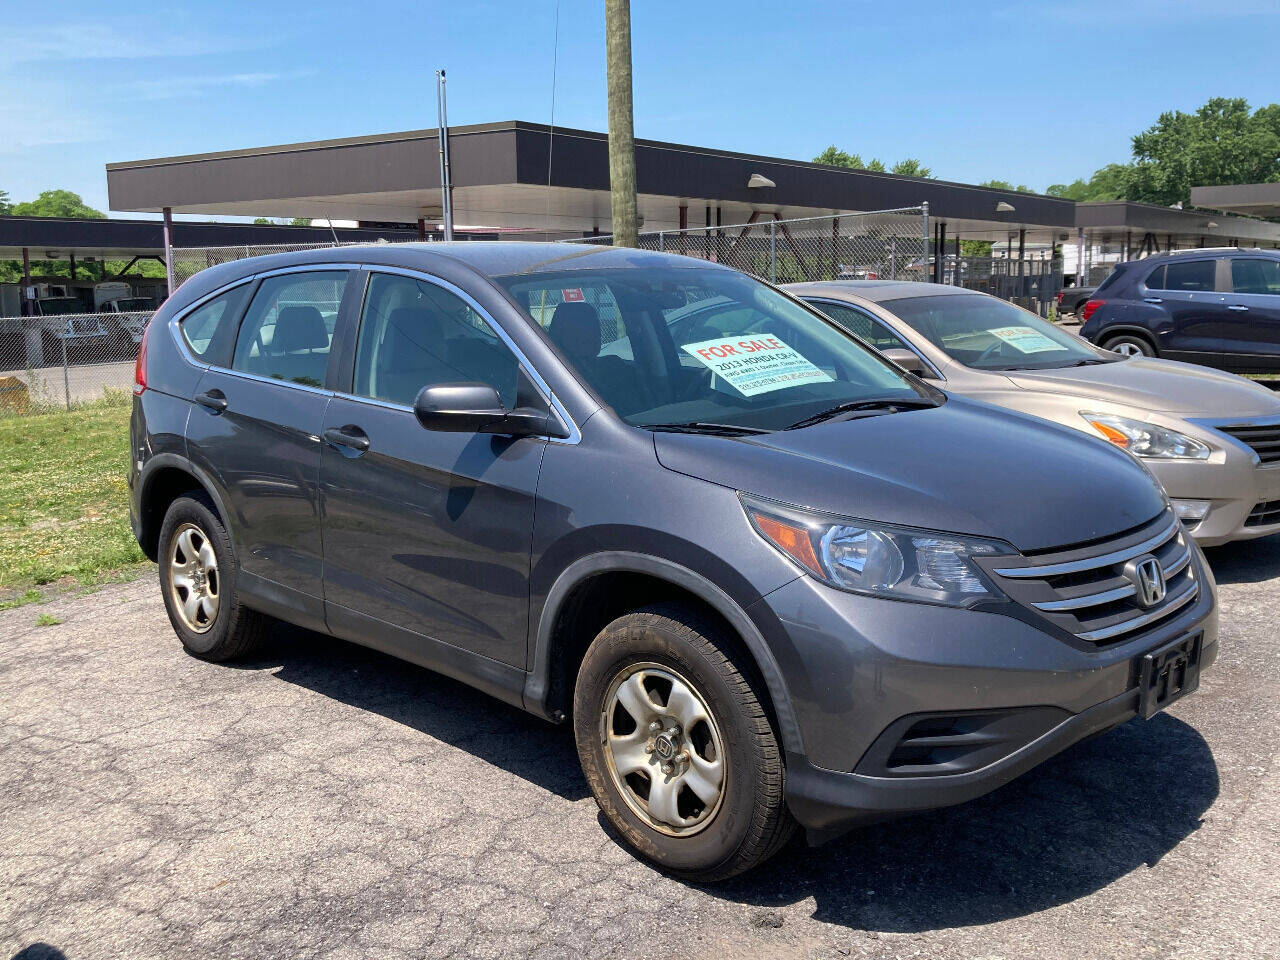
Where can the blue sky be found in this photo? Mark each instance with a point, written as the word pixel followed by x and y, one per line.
pixel 1033 92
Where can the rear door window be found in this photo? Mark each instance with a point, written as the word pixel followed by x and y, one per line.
pixel 1255 276
pixel 288 328
pixel 1188 276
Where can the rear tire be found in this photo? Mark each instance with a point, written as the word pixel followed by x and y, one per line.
pixel 198 573
pixel 1129 345
pixel 694 784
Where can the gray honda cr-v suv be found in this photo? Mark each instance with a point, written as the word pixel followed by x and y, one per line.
pixel 771 578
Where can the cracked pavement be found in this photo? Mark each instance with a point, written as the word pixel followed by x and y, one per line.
pixel 324 800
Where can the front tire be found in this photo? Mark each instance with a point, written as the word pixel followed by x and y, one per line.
pixel 677 747
pixel 1129 345
pixel 198 572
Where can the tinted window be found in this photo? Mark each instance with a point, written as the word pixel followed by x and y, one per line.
pixel 208 328
pixel 989 334
pixel 288 327
pixel 1255 276
pixel 862 325
pixel 676 345
pixel 1155 279
pixel 414 333
pixel 1189 275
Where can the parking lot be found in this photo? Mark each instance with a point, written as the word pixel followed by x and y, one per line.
pixel 324 800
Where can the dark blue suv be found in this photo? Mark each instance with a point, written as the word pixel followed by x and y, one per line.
pixel 1220 308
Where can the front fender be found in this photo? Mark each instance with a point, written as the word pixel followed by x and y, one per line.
pixel 537 684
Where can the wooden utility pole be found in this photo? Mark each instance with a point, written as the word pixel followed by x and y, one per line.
pixel 622 144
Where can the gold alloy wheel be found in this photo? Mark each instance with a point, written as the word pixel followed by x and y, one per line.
pixel 193 578
pixel 663 749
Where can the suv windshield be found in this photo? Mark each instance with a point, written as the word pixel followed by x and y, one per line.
pixel 989 334
pixel 705 348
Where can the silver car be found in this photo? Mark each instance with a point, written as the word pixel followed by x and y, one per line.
pixel 1212 438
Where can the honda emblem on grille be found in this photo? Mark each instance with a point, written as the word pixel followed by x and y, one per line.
pixel 1147 577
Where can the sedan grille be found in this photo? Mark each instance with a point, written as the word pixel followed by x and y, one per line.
pixel 1264 514
pixel 1101 593
pixel 1263 439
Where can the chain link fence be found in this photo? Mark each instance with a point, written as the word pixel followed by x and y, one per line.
pixel 188 261
pixel 1033 284
pixel 883 244
pixel 60 362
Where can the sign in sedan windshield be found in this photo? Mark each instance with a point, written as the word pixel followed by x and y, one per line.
pixel 753 365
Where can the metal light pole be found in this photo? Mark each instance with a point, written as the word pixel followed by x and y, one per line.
pixel 622 144
pixel 446 182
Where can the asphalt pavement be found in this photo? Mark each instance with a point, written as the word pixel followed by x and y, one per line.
pixel 324 800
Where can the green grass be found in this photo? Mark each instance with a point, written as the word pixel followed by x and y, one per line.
pixel 47 620
pixel 64 499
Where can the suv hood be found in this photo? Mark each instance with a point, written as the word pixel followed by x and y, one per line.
pixel 1161 386
pixel 963 467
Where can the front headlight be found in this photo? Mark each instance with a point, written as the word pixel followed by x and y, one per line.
pixel 883 561
pixel 1146 439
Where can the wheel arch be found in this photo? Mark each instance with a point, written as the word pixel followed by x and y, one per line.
pixel 168 477
pixel 1122 329
pixel 594 581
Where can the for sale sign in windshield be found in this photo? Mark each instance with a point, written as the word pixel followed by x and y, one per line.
pixel 753 365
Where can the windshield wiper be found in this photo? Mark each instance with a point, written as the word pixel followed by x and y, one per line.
pixel 701 426
pixel 888 404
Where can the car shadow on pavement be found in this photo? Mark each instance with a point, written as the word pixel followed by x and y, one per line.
pixel 431 703
pixel 1246 561
pixel 1113 804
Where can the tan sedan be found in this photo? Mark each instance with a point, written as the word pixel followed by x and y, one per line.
pixel 1212 438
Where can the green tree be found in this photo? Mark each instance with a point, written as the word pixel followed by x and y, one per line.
pixel 1006 185
pixel 57 203
pixel 835 157
pixel 911 167
pixel 1221 143
pixel 1107 183
pixel 5 206
pixel 262 220
pixel 975 248
pixel 300 222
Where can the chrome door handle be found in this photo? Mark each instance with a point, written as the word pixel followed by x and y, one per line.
pixel 1152 300
pixel 1238 307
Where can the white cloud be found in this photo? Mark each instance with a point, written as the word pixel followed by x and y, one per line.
pixel 102 41
pixel 174 87
pixel 24 124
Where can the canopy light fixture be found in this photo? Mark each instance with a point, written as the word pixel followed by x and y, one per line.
pixel 759 180
pixel 1004 206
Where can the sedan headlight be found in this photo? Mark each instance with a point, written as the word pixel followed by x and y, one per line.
pixel 1146 439
pixel 894 562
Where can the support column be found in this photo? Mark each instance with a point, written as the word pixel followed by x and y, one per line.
pixel 1128 238
pixel 1022 263
pixel 168 251
pixel 422 228
pixel 942 252
pixel 72 259
pixel 26 282
pixel 1079 256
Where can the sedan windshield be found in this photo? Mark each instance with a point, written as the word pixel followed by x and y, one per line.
pixel 707 349
pixel 985 333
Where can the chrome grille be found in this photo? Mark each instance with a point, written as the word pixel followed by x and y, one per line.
pixel 1087 591
pixel 1264 439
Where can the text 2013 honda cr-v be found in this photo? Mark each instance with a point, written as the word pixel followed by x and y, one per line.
pixel 769 577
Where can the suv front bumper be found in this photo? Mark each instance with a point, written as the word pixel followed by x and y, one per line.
pixel 860 670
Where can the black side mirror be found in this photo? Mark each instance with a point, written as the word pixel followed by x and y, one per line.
pixel 907 360
pixel 476 408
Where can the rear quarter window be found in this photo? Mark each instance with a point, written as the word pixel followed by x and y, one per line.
pixel 209 329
